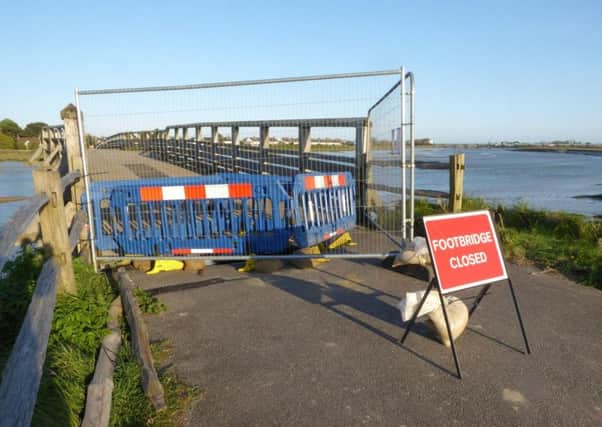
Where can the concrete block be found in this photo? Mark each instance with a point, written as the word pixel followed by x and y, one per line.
pixel 143 266
pixel 194 265
pixel 307 263
pixel 268 265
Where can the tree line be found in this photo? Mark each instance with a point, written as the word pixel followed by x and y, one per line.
pixel 12 135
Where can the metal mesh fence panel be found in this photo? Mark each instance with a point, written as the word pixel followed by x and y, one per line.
pixel 295 167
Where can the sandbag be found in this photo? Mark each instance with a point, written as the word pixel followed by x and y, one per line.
pixel 414 252
pixel 409 304
pixel 457 313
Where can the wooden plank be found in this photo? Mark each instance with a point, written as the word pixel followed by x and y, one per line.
pixel 150 380
pixel 17 224
pixel 317 166
pixel 280 170
pixel 23 371
pixel 69 179
pixel 100 390
pixel 332 157
pixel 36 155
pixel 322 122
pixel 397 190
pixel 77 226
pixel 419 164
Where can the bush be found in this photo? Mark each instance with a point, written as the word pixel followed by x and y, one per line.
pixel 6 142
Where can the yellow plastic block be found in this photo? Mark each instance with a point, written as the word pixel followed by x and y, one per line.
pixel 249 266
pixel 166 265
pixel 342 240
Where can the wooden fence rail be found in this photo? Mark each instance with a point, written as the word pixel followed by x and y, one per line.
pixel 22 374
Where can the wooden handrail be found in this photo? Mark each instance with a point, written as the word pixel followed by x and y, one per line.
pixel 17 224
pixel 24 216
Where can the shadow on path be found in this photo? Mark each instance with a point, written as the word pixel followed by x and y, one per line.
pixel 334 297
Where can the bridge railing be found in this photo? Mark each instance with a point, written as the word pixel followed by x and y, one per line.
pixel 52 148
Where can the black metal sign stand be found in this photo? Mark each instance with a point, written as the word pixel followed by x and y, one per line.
pixel 435 282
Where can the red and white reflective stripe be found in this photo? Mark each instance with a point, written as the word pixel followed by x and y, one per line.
pixel 331 235
pixel 196 192
pixel 317 182
pixel 202 251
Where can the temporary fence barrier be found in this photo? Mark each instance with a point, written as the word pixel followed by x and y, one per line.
pixel 223 214
pixel 293 140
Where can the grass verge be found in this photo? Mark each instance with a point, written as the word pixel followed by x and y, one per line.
pixel 78 327
pixel 15 155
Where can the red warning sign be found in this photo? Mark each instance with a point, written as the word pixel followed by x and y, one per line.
pixel 464 249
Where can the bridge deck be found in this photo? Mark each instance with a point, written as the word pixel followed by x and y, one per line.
pixel 111 165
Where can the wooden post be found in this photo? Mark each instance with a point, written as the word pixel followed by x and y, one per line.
pixel 456 182
pixel 73 151
pixel 235 145
pixel 185 148
pixel 213 147
pixel 360 169
pixel 176 147
pixel 304 146
pixel 198 143
pixel 165 145
pixel 54 227
pixel 264 134
pixel 372 195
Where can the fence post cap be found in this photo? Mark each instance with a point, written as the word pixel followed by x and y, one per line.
pixel 69 112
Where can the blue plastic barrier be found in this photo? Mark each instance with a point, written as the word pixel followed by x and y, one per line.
pixel 222 214
pixel 325 207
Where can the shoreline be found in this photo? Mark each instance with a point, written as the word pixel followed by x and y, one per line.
pixel 12 199
pixel 15 155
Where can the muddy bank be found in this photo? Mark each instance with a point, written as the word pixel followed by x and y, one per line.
pixel 10 199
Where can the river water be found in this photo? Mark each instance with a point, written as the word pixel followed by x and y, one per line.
pixel 542 180
pixel 15 180
pixel 547 180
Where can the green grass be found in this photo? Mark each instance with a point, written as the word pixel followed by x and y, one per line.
pixel 568 243
pixel 130 405
pixel 148 304
pixel 78 327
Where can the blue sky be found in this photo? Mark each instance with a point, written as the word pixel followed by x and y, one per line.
pixel 486 71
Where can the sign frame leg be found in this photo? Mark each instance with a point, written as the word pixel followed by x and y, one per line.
pixel 412 321
pixel 449 334
pixel 520 318
pixel 415 315
pixel 478 299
